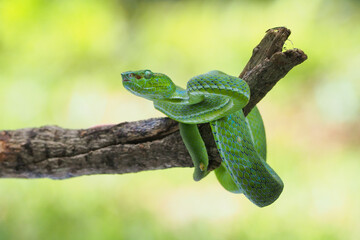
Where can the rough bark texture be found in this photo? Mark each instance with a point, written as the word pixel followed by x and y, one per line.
pixel 54 152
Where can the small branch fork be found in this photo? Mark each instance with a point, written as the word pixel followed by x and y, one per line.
pixel 54 152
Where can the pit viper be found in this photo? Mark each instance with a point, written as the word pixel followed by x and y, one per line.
pixel 218 99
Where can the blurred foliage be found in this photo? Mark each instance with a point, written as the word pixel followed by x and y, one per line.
pixel 60 63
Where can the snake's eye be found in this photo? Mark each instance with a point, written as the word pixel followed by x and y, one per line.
pixel 148 74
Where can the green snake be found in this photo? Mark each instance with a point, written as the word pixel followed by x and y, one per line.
pixel 218 99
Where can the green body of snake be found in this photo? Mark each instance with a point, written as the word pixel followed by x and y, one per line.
pixel 218 99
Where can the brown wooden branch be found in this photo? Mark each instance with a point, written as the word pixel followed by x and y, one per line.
pixel 54 152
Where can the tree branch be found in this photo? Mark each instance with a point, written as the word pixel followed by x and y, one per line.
pixel 54 152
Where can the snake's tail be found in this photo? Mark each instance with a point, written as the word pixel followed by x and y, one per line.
pixel 197 149
pixel 226 180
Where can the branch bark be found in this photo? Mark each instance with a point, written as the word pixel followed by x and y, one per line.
pixel 58 153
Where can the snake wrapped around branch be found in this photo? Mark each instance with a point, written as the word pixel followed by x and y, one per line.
pixel 218 99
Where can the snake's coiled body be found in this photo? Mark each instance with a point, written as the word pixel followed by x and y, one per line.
pixel 217 98
pixel 247 166
pixel 217 93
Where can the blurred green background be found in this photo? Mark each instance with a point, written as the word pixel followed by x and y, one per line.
pixel 60 63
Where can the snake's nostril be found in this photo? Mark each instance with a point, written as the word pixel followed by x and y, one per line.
pixel 124 77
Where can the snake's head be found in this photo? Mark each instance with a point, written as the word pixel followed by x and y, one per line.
pixel 149 85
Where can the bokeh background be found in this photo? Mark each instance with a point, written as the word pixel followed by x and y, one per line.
pixel 60 63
